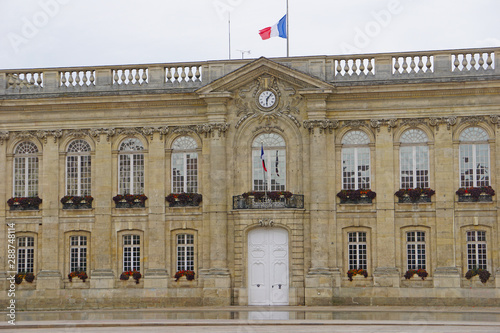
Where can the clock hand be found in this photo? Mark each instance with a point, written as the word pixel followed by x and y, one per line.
pixel 267 99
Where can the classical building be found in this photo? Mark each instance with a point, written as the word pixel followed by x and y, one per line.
pixel 291 181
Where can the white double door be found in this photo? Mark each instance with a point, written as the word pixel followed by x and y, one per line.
pixel 268 266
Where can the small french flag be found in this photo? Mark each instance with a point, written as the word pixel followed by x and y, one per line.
pixel 277 30
pixel 262 157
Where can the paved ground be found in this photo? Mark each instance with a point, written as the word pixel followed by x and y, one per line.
pixel 248 320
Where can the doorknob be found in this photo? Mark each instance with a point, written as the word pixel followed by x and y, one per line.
pixel 258 285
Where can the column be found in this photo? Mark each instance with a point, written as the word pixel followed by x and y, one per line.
pixel 102 275
pixel 4 192
pixel 446 274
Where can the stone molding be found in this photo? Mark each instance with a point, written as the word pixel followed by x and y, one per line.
pixel 211 129
pixel 390 123
pixel 323 125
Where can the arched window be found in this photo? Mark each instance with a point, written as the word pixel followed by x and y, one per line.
pixel 184 165
pixel 78 175
pixel 26 170
pixel 269 162
pixel 355 161
pixel 474 158
pixel 131 167
pixel 414 159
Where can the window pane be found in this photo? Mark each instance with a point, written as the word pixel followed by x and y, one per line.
pixel 274 179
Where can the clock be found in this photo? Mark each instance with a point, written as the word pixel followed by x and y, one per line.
pixel 267 99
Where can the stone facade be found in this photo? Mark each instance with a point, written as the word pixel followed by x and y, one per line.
pixel 318 102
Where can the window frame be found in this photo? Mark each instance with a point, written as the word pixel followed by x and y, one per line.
pixel 279 178
pixel 188 252
pixel 361 263
pixel 81 253
pixel 415 245
pixel 405 145
pixel 473 147
pixel 180 150
pixel 80 157
pixel 474 243
pixel 30 168
pixel 132 264
pixel 127 178
pixel 356 152
pixel 26 256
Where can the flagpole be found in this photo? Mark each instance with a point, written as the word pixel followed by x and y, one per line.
pixel 287 32
pixel 229 35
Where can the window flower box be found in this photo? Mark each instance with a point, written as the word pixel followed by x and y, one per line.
pixel 354 272
pixel 28 277
pixel 82 275
pixel 184 199
pixel 24 203
pixel 77 202
pixel 483 274
pixel 187 273
pixel 130 201
pixel 414 195
pixel 475 194
pixel 134 274
pixel 356 196
pixel 422 273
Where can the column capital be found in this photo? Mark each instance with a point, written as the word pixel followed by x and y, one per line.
pixel 211 129
pixel 323 125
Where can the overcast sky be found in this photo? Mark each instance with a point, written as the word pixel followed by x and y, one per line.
pixel 64 33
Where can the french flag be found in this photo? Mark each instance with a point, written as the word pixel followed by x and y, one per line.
pixel 277 30
pixel 262 157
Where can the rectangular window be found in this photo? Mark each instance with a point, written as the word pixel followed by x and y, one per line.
pixel 131 253
pixel 78 254
pixel 185 252
pixel 25 254
pixel 78 175
pixel 355 168
pixel 185 173
pixel 474 165
pixel 414 167
pixel 415 250
pixel 275 177
pixel 476 250
pixel 25 176
pixel 357 249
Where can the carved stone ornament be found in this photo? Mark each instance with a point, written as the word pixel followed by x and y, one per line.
pixel 323 125
pixel 413 122
pixel 183 130
pixel 472 120
pixel 96 132
pixel 268 129
pixel 79 133
pixel 4 135
pixel 354 123
pixel 494 119
pixel 251 101
pixel 448 121
pixel 390 123
pixel 211 129
pixel 149 131
pixel 266 223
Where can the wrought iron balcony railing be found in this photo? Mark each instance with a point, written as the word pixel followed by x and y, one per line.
pixel 251 202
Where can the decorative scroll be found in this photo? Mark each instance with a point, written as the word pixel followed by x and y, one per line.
pixel 390 123
pixel 323 125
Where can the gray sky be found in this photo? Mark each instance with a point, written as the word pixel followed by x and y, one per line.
pixel 64 33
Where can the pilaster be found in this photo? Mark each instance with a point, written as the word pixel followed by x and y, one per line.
pixel 4 268
pixel 216 278
pixel 446 273
pixel 385 273
pixel 102 275
pixel 156 271
pixel 50 257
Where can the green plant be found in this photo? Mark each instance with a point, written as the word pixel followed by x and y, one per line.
pixel 187 273
pixel 484 275
pixel 422 273
pixel 353 272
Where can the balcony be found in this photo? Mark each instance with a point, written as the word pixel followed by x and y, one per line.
pixel 269 200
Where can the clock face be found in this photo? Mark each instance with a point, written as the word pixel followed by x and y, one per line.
pixel 267 99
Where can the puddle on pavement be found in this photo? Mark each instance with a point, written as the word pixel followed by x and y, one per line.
pixel 409 316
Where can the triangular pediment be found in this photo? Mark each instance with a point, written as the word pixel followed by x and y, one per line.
pixel 248 73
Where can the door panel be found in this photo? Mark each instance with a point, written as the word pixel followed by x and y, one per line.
pixel 268 267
